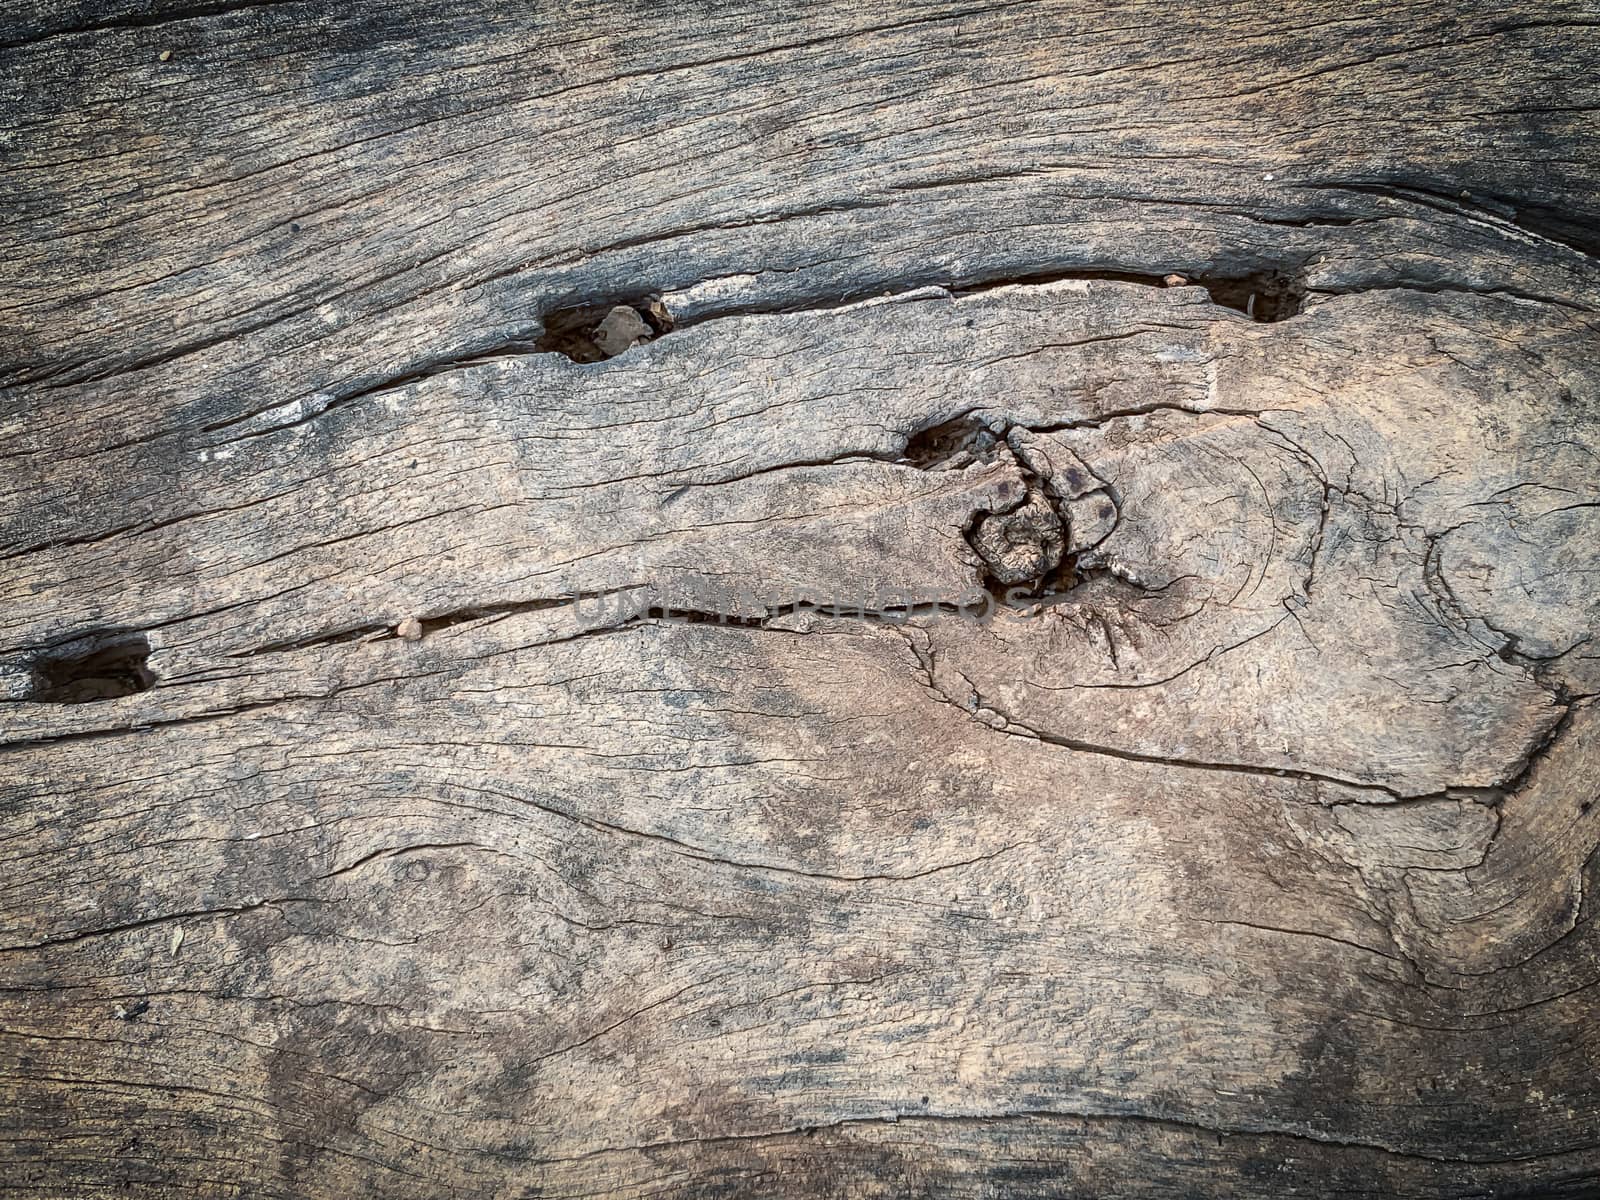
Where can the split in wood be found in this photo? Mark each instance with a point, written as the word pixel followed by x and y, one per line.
pixel 1268 294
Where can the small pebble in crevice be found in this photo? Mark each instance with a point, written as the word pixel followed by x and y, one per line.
pixel 592 333
pixel 100 665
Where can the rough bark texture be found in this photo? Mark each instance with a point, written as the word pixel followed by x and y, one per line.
pixel 384 814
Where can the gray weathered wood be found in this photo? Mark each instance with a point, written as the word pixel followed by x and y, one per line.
pixel 514 813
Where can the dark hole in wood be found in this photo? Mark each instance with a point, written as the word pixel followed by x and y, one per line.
pixel 583 333
pixel 1058 581
pixel 953 443
pixel 94 666
pixel 1264 295
pixel 1062 579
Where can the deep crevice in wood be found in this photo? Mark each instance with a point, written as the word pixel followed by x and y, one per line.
pixel 1262 296
pixel 954 443
pixel 139 20
pixel 99 665
pixel 1574 231
pixel 591 333
pixel 1262 293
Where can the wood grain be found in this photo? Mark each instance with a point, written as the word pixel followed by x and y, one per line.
pixel 634 777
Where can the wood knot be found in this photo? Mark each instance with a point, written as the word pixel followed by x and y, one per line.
pixel 1022 545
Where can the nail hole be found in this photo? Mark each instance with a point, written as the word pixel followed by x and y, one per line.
pixel 103 665
pixel 592 333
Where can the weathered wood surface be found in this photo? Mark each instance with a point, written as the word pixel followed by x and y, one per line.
pixel 1248 857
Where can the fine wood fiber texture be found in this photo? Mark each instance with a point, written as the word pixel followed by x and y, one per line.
pixel 861 600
